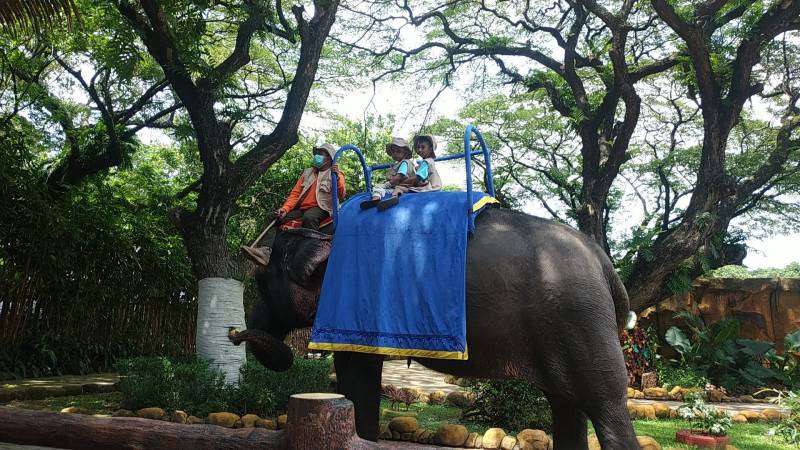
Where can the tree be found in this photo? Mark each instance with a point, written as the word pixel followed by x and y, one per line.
pixel 724 42
pixel 226 174
pixel 34 12
pixel 596 88
pixel 591 85
pixel 229 82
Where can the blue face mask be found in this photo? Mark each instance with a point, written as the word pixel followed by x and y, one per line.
pixel 317 161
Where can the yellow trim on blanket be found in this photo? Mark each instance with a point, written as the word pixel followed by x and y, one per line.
pixel 483 202
pixel 389 350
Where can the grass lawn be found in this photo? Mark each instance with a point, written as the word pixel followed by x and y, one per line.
pixel 751 436
pixel 105 403
pixel 743 436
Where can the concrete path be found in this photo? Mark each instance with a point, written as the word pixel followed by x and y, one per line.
pixel 397 373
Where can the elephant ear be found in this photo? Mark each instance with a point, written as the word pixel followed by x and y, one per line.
pixel 308 252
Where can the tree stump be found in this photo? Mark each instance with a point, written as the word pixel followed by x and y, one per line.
pixel 649 380
pixel 321 422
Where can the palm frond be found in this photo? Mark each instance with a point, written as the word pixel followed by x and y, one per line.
pixel 35 13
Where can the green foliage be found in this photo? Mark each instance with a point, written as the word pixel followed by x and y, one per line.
pixel 512 404
pixel 85 271
pixel 50 354
pixel 789 428
pixel 792 270
pixel 198 389
pixel 703 416
pixel 671 375
pixel 716 352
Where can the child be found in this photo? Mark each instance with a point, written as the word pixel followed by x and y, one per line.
pixel 428 179
pixel 402 176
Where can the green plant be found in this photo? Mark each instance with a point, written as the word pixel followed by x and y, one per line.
pixel 146 382
pixel 192 386
pixel 513 404
pixel 716 352
pixel 671 375
pixel 789 428
pixel 703 416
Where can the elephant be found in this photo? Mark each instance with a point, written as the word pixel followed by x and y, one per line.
pixel 543 303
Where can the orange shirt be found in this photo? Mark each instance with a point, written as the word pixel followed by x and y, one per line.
pixel 310 199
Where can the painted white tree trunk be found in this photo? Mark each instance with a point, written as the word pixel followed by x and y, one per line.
pixel 220 307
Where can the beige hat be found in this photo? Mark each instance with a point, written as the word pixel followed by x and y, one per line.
pixel 329 148
pixel 430 138
pixel 398 142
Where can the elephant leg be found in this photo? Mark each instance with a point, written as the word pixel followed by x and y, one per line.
pixel 569 427
pixel 613 425
pixel 358 377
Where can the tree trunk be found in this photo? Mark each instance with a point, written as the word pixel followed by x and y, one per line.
pixel 220 307
pixel 79 432
pixel 220 295
pixel 323 422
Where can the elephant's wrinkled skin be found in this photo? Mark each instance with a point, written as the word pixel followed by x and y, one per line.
pixel 543 305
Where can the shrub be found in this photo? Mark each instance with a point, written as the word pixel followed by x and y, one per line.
pixel 510 404
pixel 789 428
pixel 725 359
pixel 198 389
pixel 671 375
pixel 146 382
pixel 703 416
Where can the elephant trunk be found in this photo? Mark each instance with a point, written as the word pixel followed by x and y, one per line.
pixel 271 352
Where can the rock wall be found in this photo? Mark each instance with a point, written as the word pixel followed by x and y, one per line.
pixel 768 308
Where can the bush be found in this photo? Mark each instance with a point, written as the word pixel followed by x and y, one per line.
pixel 704 417
pixel 509 404
pixel 198 389
pixel 671 375
pixel 789 428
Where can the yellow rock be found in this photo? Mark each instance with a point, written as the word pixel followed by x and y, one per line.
pixel 661 410
pixel 673 413
pixel 436 397
pixel 676 393
pixel 152 413
pixel 451 435
pixel 771 414
pixel 403 424
pixel 282 421
pixel 508 443
pixel 194 420
pixel 631 392
pixel 269 424
pixel 645 412
pixel 419 435
pixel 533 440
pixel 656 392
pixel 225 419
pixel 715 395
pixel 179 416
pixel 631 409
pixel 638 394
pixel 249 420
pixel 73 410
pixel 648 443
pixel 470 442
pixel 493 437
pixel 738 418
pixel 751 416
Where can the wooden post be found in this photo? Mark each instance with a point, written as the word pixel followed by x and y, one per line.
pixel 322 422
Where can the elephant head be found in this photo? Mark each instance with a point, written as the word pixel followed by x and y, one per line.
pixel 288 294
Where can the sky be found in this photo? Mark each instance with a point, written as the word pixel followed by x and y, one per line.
pixel 774 252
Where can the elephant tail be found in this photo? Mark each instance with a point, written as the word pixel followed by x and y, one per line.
pixel 620 296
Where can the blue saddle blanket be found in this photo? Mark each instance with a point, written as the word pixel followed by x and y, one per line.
pixel 395 280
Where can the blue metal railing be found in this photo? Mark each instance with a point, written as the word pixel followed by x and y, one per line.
pixel 467 156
